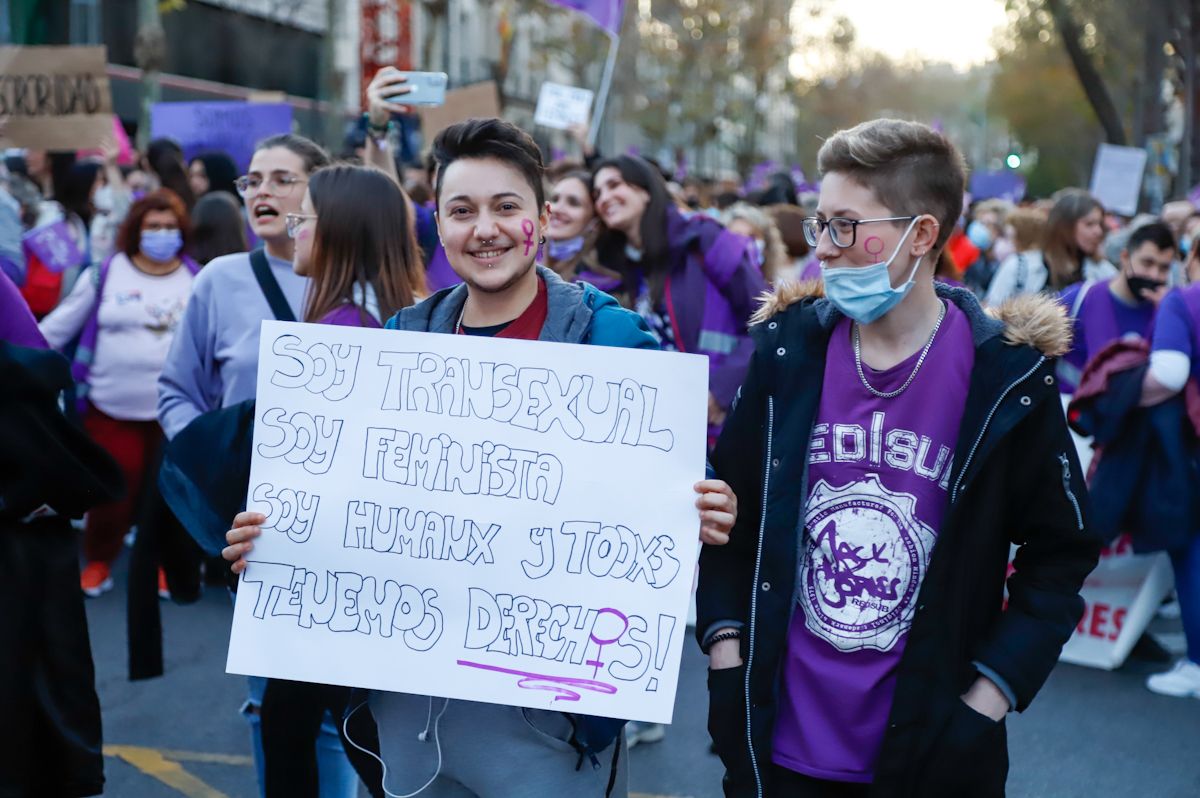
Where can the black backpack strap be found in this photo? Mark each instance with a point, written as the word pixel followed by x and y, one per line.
pixel 270 286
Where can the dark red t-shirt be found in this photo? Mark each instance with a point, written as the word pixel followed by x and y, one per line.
pixel 527 326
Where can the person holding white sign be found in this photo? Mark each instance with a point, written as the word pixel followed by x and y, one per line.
pixel 890 442
pixel 492 215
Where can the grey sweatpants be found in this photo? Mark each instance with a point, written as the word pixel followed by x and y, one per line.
pixel 488 751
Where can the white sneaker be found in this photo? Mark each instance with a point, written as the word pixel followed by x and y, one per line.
pixel 636 732
pixel 1182 681
pixel 1171 611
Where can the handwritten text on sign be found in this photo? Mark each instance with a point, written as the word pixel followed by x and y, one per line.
pixel 493 520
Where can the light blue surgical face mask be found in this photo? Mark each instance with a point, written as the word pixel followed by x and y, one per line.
pixel 160 245
pixel 979 235
pixel 865 293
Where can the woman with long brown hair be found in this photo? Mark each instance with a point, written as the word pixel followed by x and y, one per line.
pixel 356 241
pixel 1074 233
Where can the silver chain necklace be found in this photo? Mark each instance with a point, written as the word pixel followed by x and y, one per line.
pixel 892 394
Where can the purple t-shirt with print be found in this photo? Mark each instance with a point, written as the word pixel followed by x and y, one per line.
pixel 879 472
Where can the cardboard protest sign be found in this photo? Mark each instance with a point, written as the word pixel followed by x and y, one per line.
pixel 560 106
pixel 234 128
pixel 54 246
pixel 486 519
pixel 1117 177
pixel 54 98
pixel 476 100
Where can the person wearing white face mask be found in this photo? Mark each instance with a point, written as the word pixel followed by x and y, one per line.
pixel 890 441
pixel 124 313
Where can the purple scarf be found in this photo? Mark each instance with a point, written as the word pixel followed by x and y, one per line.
pixel 85 350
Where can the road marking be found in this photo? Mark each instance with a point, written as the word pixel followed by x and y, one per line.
pixel 154 763
pixel 163 764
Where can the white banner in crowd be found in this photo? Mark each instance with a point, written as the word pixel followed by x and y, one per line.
pixel 560 106
pixel 1117 177
pixel 485 519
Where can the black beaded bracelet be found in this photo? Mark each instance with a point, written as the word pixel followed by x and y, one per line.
pixel 728 634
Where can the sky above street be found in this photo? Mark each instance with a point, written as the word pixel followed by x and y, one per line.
pixel 958 32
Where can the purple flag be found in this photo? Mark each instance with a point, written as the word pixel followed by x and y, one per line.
pixel 1194 196
pixel 1003 185
pixel 53 246
pixel 606 13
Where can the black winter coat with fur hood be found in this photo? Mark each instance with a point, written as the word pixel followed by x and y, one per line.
pixel 1015 479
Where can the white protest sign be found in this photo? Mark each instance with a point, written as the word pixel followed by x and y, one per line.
pixel 1121 596
pixel 486 519
pixel 1117 177
pixel 560 106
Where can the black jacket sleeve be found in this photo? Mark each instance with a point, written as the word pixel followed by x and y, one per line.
pixel 44 458
pixel 726 572
pixel 1056 551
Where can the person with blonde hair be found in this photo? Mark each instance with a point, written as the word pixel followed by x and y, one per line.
pixel 889 445
pixel 757 225
pixel 1025 227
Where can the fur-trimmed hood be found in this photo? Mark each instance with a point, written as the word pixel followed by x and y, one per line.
pixel 1035 320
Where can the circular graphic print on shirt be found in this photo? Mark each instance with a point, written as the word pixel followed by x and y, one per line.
pixel 865 555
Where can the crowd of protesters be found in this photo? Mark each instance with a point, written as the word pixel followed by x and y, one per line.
pixel 884 295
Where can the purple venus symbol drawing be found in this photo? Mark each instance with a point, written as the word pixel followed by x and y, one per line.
pixel 527 228
pixel 601 642
pixel 873 245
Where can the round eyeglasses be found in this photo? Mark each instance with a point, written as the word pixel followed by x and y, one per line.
pixel 843 232
pixel 280 184
pixel 293 221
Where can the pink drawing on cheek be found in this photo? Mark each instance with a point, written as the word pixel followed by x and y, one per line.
pixel 527 228
pixel 873 245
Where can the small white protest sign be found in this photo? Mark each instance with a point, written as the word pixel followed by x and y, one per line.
pixel 1117 177
pixel 477 518
pixel 560 106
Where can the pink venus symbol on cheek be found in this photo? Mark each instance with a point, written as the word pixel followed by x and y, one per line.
pixel 527 229
pixel 873 245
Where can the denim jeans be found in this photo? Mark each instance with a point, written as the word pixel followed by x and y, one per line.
pixel 1186 562
pixel 337 776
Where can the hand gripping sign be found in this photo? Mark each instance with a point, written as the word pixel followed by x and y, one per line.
pixel 493 520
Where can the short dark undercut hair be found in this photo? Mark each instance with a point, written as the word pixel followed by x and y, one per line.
pixel 1156 233
pixel 490 138
pixel 911 167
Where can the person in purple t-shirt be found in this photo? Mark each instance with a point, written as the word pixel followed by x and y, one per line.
pixel 1121 307
pixel 890 442
pixel 1175 361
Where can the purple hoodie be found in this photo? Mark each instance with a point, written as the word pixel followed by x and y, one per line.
pixel 712 289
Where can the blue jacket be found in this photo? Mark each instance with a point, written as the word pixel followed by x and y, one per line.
pixel 578 313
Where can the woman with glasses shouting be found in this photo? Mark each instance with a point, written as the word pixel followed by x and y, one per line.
pixel 213 362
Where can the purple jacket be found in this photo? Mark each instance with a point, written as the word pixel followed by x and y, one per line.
pixel 713 286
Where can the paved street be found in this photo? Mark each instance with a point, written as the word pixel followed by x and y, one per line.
pixel 1089 734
